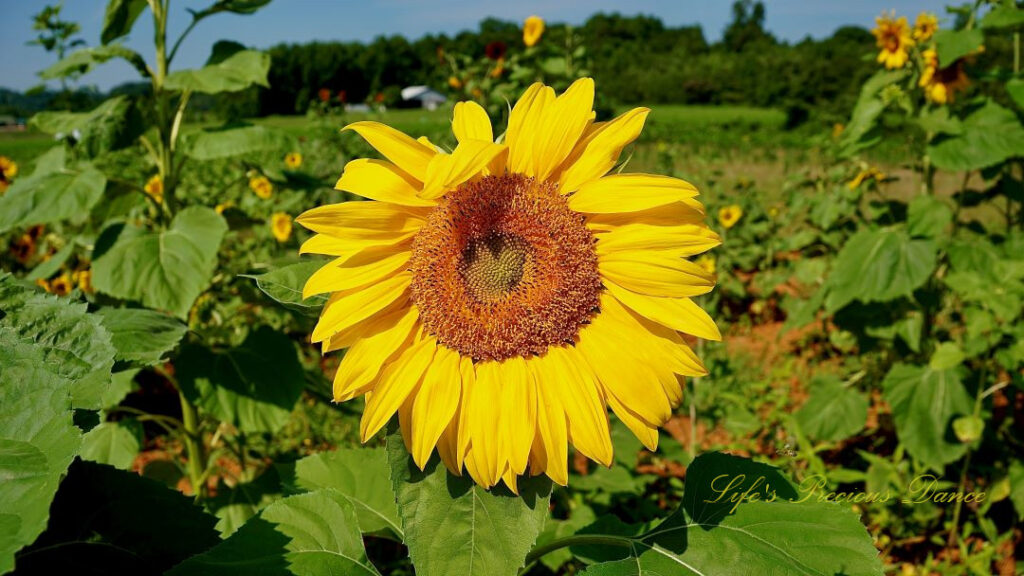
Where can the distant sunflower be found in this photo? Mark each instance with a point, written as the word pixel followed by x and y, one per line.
pixel 293 160
pixel 893 38
pixel 925 26
pixel 533 29
pixel 941 84
pixel 500 297
pixel 61 285
pixel 8 170
pixel 281 226
pixel 154 188
pixel 261 186
pixel 729 215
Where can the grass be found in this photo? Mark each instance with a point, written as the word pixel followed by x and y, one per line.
pixel 24 147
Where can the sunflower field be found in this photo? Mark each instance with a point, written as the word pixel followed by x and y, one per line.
pixel 532 332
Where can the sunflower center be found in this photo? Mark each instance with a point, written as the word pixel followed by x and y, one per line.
pixel 504 268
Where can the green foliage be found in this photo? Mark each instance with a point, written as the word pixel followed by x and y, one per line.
pixel 113 443
pixel 453 526
pixel 834 412
pixel 989 135
pixel 142 337
pixel 284 285
pixel 119 18
pixel 236 72
pixel 925 400
pixel 51 197
pixel 878 266
pixel 164 270
pixel 235 141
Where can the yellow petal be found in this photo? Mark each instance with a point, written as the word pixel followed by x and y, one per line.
pixel 675 214
pixel 348 273
pixel 551 426
pixel 380 180
pixel 561 126
pixel 656 275
pixel 644 431
pixel 616 357
pixel 680 314
pixel 331 246
pixel 683 240
pixel 518 412
pixel 435 403
pixel 509 478
pixel 396 383
pixel 363 220
pixel 630 193
pixel 598 152
pixel 468 382
pixel 573 385
pixel 524 123
pixel 471 122
pixel 408 154
pixel 662 347
pixel 487 440
pixel 346 309
pixel 384 336
pixel 469 159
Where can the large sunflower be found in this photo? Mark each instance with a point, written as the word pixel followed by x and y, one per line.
pixel 501 297
pixel 892 35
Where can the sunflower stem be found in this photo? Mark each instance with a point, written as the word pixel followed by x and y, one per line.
pixel 193 446
pixel 578 540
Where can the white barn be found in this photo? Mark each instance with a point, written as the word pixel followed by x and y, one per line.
pixel 426 96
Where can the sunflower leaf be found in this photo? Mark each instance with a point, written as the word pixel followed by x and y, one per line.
pixel 453 526
pixel 141 336
pixel 284 285
pixel 879 266
pixel 51 197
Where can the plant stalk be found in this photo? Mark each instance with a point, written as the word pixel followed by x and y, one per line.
pixel 578 540
pixel 193 447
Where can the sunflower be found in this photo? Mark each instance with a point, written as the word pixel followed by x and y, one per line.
pixel 83 278
pixel 925 26
pixel 501 297
pixel 61 285
pixel 281 226
pixel 8 170
pixel 293 160
pixel 941 84
pixel 707 262
pixel 261 186
pixel 729 215
pixel 533 29
pixel 24 248
pixel 454 83
pixel 154 188
pixel 892 35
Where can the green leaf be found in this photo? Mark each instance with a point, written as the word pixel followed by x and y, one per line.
pixel 833 412
pixel 164 270
pixel 237 72
pixel 113 443
pixel 74 344
pixel 119 521
pixel 53 265
pixel 991 134
pixel 114 124
pixel 951 45
pixel 235 505
pixel 938 121
pixel 356 474
pixel 119 19
pixel 235 141
pixel 1017 484
pixel 254 386
pixel 1003 16
pixel 879 266
pixel 924 403
pixel 141 336
pixel 38 440
pixel 82 61
pixel 50 198
pixel 946 356
pixel 305 535
pixel 928 217
pixel 968 428
pixel 1015 88
pixel 867 110
pixel 453 526
pixel 236 6
pixel 778 533
pixel 284 285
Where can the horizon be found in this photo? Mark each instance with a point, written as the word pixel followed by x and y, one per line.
pixel 289 21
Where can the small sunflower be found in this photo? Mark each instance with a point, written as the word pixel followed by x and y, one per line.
pixel 154 188
pixel 61 285
pixel 729 215
pixel 707 262
pixel 220 208
pixel 83 278
pixel 533 29
pixel 8 170
pixel 281 226
pixel 454 83
pixel 925 26
pixel 892 35
pixel 501 297
pixel 941 84
pixel 293 160
pixel 24 248
pixel 262 186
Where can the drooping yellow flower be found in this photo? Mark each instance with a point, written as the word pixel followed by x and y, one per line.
pixel 869 173
pixel 220 208
pixel 61 285
pixel 892 35
pixel 261 186
pixel 925 26
pixel 500 298
pixel 154 188
pixel 941 84
pixel 293 160
pixel 281 226
pixel 728 216
pixel 533 29
pixel 84 280
pixel 707 262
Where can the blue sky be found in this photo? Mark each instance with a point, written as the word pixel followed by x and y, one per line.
pixel 346 20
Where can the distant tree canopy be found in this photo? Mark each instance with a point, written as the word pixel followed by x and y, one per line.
pixel 634 59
